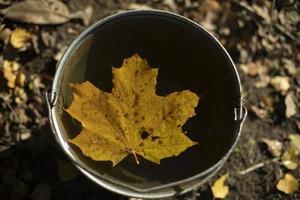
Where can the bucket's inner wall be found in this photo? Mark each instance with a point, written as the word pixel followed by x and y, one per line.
pixel 187 59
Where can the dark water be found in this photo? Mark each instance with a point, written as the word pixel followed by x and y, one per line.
pixel 187 59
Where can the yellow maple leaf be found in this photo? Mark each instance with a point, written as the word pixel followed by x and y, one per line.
pixel 131 119
pixel 219 189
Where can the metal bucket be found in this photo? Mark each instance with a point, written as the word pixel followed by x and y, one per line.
pixel 188 57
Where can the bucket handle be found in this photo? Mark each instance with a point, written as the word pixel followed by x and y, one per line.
pixel 51 98
pixel 241 116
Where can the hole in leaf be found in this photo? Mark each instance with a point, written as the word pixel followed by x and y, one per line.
pixel 144 135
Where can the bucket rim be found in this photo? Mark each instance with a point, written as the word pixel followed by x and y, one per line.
pixel 240 112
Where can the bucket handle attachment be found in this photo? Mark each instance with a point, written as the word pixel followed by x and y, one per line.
pixel 240 117
pixel 51 98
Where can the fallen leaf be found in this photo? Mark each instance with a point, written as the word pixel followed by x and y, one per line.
pixel 35 83
pixel 19 38
pixel 291 108
pixel 213 5
pixel 262 71
pixel 5 34
pixel 87 15
pixel 136 6
pixel 260 113
pixel 22 116
pixel 289 158
pixel 208 22
pixel 266 103
pixel 274 146
pixel 264 80
pixel 219 189
pixel 171 4
pixel 5 2
pixel 281 84
pixel 35 43
pixel 20 95
pixel 25 136
pixel 289 65
pixel 263 12
pixel 38 12
pixel 295 143
pixel 253 68
pixel 60 52
pixel 49 39
pixel 288 184
pixel 20 79
pixel 132 118
pixel 10 69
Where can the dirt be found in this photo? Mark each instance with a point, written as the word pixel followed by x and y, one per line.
pixel 31 161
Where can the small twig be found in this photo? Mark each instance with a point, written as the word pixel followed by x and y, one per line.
pixel 257 166
pixel 272 11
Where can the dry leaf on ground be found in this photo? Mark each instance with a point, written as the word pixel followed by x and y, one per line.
pixel 5 2
pixel 274 146
pixel 257 68
pixel 131 119
pixel 20 95
pixel 253 68
pixel 288 184
pixel 171 4
pixel 291 108
pixel 295 143
pixel 45 12
pixel 136 6
pixel 289 158
pixel 5 34
pixel 10 70
pixel 281 84
pixel 19 38
pixel 87 15
pixel 289 65
pixel 20 80
pixel 264 80
pixel 38 12
pixel 219 189
pixel 259 112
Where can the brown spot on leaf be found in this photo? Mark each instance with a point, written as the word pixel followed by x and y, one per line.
pixel 154 138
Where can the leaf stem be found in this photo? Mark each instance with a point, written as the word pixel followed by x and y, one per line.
pixel 136 159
